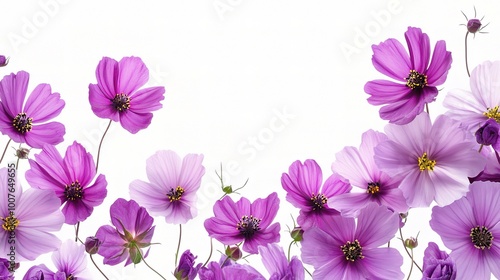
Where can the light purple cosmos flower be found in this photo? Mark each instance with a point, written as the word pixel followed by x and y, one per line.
pixel 434 159
pixel 437 264
pixel 417 79
pixel 277 265
pixel 36 215
pixel 230 270
pixel 303 186
pixel 470 228
pixel 358 166
pixel 341 249
pixel 117 96
pixel 171 191
pixel 28 123
pixel 70 178
pixel 473 108
pixel 239 221
pixel 491 171
pixel 133 228
pixel 187 269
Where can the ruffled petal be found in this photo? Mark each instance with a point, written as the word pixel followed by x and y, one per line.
pixel 419 47
pixel 43 105
pixel 147 99
pixel 440 64
pixel 48 133
pixel 107 75
pixel 391 59
pixel 133 122
pixel 133 74
pixel 13 89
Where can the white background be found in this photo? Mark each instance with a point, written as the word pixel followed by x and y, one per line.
pixel 231 69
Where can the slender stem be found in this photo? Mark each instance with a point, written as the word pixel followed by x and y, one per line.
pixel 480 148
pixel 406 249
pixel 178 244
pixel 92 259
pixel 100 144
pixel 5 150
pixel 209 255
pixel 289 248
pixel 142 258
pixel 466 62
pixel 427 107
pixel 305 269
pixel 76 231
pixel 411 267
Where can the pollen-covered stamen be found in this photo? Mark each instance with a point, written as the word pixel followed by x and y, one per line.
pixel 121 102
pixel 248 226
pixel 416 80
pixel 22 123
pixel 10 222
pixel 70 277
pixel 352 250
pixel 481 237
pixel 73 191
pixel 493 113
pixel 175 194
pixel 424 163
pixel 318 201
pixel 373 188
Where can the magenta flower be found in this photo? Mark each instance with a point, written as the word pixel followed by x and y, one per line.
pixel 470 228
pixel 277 265
pixel 341 249
pixel 28 123
pixel 5 272
pixel 435 160
pixel 36 215
pixel 304 191
pixel 70 178
pixel 187 269
pixel 358 166
pixel 171 191
pixel 117 96
pixel 132 231
pixel 245 221
pixel 437 264
pixel 417 79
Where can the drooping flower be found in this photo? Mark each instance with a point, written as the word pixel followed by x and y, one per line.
pixel 417 79
pixel 435 160
pixel 358 166
pixel 36 215
pixel 70 178
pixel 437 264
pixel 473 108
pixel 304 191
pixel 187 269
pixel 132 230
pixel 229 270
pixel 341 249
pixel 172 186
pixel 470 228
pixel 117 94
pixel 239 221
pixel 277 265
pixel 28 123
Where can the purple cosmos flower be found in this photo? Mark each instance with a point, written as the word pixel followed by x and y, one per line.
pixel 473 108
pixel 360 169
pixel 245 221
pixel 28 123
pixel 133 229
pixel 39 272
pixel 434 159
pixel 277 265
pixel 230 270
pixel 487 134
pixel 304 191
pixel 470 228
pixel 5 272
pixel 3 60
pixel 117 96
pixel 341 249
pixel 36 214
pixel 417 79
pixel 437 264
pixel 70 178
pixel 186 270
pixel 171 191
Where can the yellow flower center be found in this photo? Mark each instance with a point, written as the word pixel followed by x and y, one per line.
pixel 424 163
pixel 493 113
pixel 174 195
pixel 10 223
pixel 416 80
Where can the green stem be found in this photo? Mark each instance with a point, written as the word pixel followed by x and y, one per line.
pixel 411 267
pixel 5 150
pixel 289 248
pixel 100 144
pixel 406 249
pixel 209 255
pixel 76 231
pixel 92 259
pixel 466 62
pixel 142 258
pixel 178 244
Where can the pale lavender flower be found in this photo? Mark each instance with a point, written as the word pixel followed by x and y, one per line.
pixel 437 264
pixel 229 270
pixel 277 265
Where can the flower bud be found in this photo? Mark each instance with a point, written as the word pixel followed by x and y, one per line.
pixel 411 243
pixel 22 153
pixel 234 253
pixel 3 61
pixel 297 233
pixel 473 25
pixel 92 245
pixel 487 134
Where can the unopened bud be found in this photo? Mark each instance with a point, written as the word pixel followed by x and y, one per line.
pixel 92 245
pixel 297 233
pixel 411 243
pixel 234 253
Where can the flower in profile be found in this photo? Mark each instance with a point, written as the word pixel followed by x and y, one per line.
pixel 435 160
pixel 341 249
pixel 117 94
pixel 229 270
pixel 437 264
pixel 5 272
pixel 473 108
pixel 36 215
pixel 239 221
pixel 132 230
pixel 70 178
pixel 358 166
pixel 417 79
pixel 470 228
pixel 171 191
pixel 487 134
pixel 92 245
pixel 277 265
pixel 39 272
pixel 3 60
pixel 28 123
pixel 303 186
pixel 186 270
